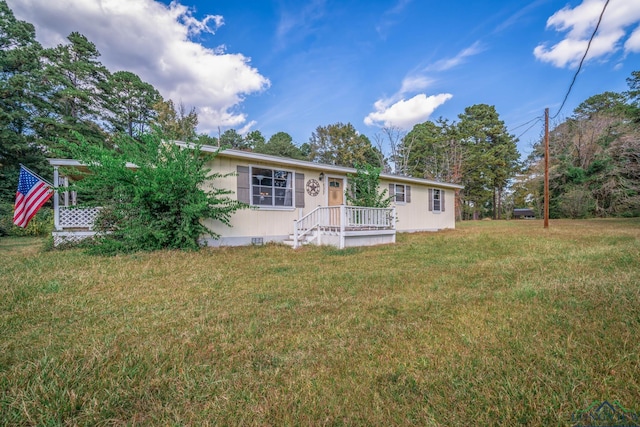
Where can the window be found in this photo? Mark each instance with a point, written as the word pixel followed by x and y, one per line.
pixel 436 200
pixel 400 193
pixel 271 187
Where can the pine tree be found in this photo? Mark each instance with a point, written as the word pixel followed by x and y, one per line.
pixel 19 80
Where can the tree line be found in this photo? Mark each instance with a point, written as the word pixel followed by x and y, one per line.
pixel 64 93
pixel 594 160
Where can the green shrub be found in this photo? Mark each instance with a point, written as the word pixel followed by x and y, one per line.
pixel 40 225
pixel 160 203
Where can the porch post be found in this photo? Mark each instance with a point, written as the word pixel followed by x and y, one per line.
pixel 343 219
pixel 56 201
pixel 65 182
pixel 393 218
pixel 295 234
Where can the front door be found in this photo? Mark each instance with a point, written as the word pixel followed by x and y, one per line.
pixel 336 192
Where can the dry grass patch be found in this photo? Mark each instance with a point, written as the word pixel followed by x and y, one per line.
pixel 491 323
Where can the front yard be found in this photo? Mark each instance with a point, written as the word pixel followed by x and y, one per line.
pixel 491 323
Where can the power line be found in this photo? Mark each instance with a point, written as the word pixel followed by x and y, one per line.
pixel 535 122
pixel 525 123
pixel 575 76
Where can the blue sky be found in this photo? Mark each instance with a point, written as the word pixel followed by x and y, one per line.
pixel 292 66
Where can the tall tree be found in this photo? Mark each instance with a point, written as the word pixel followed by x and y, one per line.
pixel 433 150
pixel 176 124
pixel 340 144
pixel 231 138
pixel 492 158
pixel 130 104
pixel 592 153
pixel 19 86
pixel 254 140
pixel 633 95
pixel 391 140
pixel 281 144
pixel 76 92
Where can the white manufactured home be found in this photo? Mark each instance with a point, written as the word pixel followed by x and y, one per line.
pixel 291 201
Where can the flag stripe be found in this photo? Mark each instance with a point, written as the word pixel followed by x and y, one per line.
pixel 31 195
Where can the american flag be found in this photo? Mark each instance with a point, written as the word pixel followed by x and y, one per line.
pixel 32 193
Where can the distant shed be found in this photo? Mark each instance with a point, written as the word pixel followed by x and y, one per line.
pixel 524 213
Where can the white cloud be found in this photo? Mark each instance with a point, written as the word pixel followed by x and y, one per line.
pixel 154 41
pixel 448 63
pixel 398 111
pixel 415 83
pixel 633 42
pixel 405 113
pixel 247 128
pixel 579 22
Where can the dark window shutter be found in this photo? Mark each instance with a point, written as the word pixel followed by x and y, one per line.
pixel 392 192
pixel 441 200
pixel 407 193
pixel 299 190
pixel 430 199
pixel 244 189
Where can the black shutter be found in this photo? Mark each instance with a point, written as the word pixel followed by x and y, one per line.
pixel 299 190
pixel 441 200
pixel 244 189
pixel 430 199
pixel 407 193
pixel 392 192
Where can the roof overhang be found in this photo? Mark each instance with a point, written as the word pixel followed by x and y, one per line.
pixel 77 164
pixel 283 161
pixel 320 167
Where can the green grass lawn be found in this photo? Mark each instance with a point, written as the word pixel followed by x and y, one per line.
pixel 492 323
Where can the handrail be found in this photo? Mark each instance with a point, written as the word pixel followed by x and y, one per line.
pixel 339 218
pixel 357 216
pixel 305 225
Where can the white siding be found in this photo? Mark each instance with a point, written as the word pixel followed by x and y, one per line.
pixel 276 224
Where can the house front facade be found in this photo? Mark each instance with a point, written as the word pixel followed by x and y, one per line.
pixel 298 202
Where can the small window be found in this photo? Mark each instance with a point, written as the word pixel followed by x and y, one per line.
pixel 271 187
pixel 436 200
pixel 400 193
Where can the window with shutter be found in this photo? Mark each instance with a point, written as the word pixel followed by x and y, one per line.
pixel 436 204
pixel 271 187
pixel 401 193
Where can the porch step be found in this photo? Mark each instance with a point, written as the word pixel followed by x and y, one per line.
pixel 290 241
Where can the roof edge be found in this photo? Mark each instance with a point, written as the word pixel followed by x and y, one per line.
pixel 248 155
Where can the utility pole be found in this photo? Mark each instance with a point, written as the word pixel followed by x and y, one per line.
pixel 546 168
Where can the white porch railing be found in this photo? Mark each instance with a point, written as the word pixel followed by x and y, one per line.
pixel 373 218
pixel 76 218
pixel 340 220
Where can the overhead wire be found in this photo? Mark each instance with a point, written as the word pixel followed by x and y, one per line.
pixel 575 76
pixel 525 123
pixel 535 122
pixel 573 81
